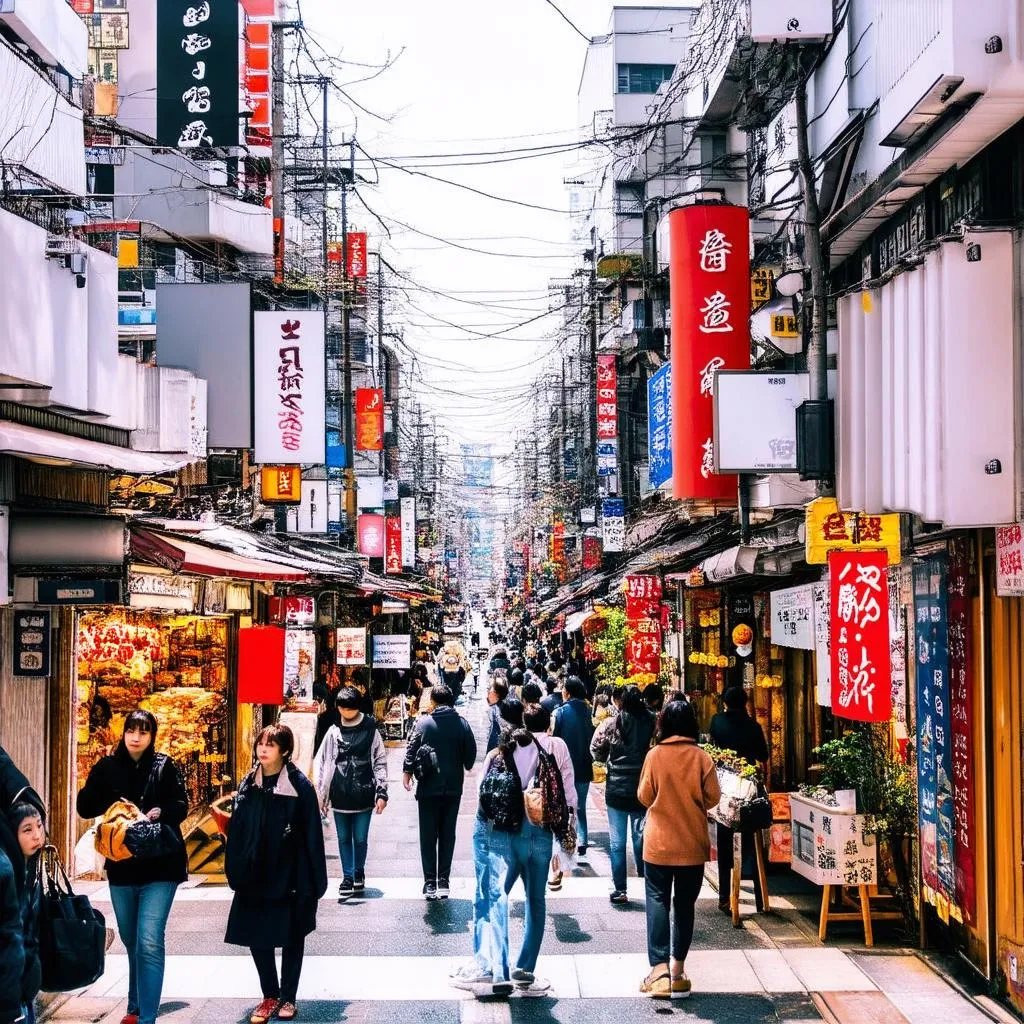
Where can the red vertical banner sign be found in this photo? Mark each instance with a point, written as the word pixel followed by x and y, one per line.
pixel 591 552
pixel 261 665
pixel 369 420
pixel 356 255
pixel 393 545
pixel 607 398
pixel 709 281
pixel 278 250
pixel 859 620
pixel 558 542
pixel 370 534
pixel 961 583
pixel 643 624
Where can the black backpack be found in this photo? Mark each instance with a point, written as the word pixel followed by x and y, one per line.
pixel 501 795
pixel 353 787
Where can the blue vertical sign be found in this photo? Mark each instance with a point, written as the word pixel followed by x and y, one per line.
pixel 659 426
pixel 934 733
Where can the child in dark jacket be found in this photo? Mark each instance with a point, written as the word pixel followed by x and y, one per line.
pixel 27 823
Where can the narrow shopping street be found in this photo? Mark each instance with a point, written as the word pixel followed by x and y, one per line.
pixel 387 957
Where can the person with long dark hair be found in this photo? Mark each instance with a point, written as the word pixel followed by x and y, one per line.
pixel 622 743
pixel 142 889
pixel 678 786
pixel 276 865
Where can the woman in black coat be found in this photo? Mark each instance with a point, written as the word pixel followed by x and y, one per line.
pixel 142 890
pixel 277 867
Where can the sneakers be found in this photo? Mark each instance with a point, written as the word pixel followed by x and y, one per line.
pixel 618 897
pixel 528 984
pixel 346 890
pixel 473 978
pixel 430 891
pixel 359 885
pixel 443 888
pixel 263 1012
pixel 287 1011
pixel 657 984
pixel 681 987
pixel 555 882
pixel 581 854
pixel 130 1018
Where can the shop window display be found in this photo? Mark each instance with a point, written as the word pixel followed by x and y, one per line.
pixel 173 666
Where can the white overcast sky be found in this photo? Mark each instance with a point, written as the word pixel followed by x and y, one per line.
pixel 474 75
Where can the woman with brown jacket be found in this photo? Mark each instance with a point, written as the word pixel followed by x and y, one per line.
pixel 678 786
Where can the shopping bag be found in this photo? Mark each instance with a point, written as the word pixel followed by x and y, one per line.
pixel 112 830
pixel 88 860
pixel 72 934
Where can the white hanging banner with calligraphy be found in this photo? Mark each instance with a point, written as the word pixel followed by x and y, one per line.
pixel 288 386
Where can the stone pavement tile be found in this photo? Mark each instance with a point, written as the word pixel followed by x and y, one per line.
pixel 793 1007
pixel 609 976
pixel 827 970
pixel 858 1008
pixel 917 991
pixel 80 1010
pixel 699 1009
pixel 230 1011
pixel 772 971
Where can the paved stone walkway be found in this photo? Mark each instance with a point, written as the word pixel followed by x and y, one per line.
pixel 387 957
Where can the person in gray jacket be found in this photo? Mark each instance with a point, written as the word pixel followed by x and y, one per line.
pixel 352 779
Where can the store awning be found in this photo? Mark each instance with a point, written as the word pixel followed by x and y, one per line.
pixel 737 561
pixel 54 449
pixel 404 590
pixel 575 620
pixel 180 555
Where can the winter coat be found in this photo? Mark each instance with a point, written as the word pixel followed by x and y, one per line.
pixel 14 788
pixel 152 781
pixel 736 730
pixel 494 721
pixel 275 860
pixel 678 786
pixel 32 977
pixel 622 743
pixel 448 735
pixel 552 702
pixel 573 724
pixel 352 767
pixel 12 944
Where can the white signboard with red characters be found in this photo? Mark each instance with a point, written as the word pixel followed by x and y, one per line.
pixel 1010 560
pixel 288 386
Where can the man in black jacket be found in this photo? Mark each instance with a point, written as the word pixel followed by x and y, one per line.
pixel 441 750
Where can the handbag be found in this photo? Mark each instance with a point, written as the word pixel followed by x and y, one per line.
pixel 112 830
pixel 72 933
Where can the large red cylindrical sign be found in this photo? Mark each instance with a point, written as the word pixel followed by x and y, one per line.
pixel 709 279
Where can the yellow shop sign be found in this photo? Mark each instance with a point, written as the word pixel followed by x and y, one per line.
pixel 829 529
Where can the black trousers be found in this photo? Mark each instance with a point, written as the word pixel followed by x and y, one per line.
pixel 748 864
pixel 438 816
pixel 291 968
pixel 678 888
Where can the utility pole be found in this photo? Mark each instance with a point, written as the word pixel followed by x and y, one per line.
pixel 380 306
pixel 563 476
pixel 277 143
pixel 418 466
pixel 348 399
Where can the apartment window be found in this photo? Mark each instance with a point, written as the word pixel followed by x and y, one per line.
pixel 712 153
pixel 629 199
pixel 643 78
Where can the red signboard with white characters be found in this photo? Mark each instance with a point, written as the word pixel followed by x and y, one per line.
pixel 393 545
pixel 859 622
pixel 607 399
pixel 369 420
pixel 643 624
pixel 370 531
pixel 709 280
pixel 558 542
pixel 591 552
pixel 356 255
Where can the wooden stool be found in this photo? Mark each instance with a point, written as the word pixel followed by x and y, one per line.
pixel 737 873
pixel 860 910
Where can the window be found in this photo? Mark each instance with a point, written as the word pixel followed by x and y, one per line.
pixel 629 199
pixel 643 78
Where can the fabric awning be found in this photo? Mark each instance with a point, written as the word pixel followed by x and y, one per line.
pixel 55 449
pixel 180 555
pixel 737 561
pixel 575 620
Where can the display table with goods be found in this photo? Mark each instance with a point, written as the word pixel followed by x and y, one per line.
pixel 173 666
pixel 744 807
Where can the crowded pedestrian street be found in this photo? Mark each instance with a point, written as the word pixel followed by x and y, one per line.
pixel 388 955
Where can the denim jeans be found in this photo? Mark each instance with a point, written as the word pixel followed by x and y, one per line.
pixel 618 823
pixel 142 912
pixel 660 881
pixel 491 854
pixel 582 790
pixel 353 832
pixel 530 859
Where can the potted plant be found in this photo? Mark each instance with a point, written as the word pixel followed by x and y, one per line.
pixel 842 768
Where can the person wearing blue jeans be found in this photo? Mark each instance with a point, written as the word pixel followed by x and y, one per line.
pixel 491 855
pixel 619 824
pixel 142 912
pixel 142 890
pixel 531 851
pixel 353 838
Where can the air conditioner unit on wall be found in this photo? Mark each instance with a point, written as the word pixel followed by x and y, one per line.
pixel 806 20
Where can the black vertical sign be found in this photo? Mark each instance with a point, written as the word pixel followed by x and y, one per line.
pixel 31 642
pixel 197 74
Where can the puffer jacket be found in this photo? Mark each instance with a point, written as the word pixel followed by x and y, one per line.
pixel 12 944
pixel 622 743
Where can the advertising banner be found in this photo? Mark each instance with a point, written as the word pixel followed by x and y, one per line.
pixel 408 507
pixel 392 650
pixel 659 426
pixel 607 399
pixel 393 545
pixel 370 532
pixel 829 529
pixel 936 804
pixel 643 624
pixel 281 485
pixel 1010 560
pixel 613 524
pixel 288 386
pixel 793 617
pixel 859 627
pixel 591 552
pixel 710 287
pixel 299 665
pixel 197 74
pixel 350 645
pixel 356 255
pixel 369 420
